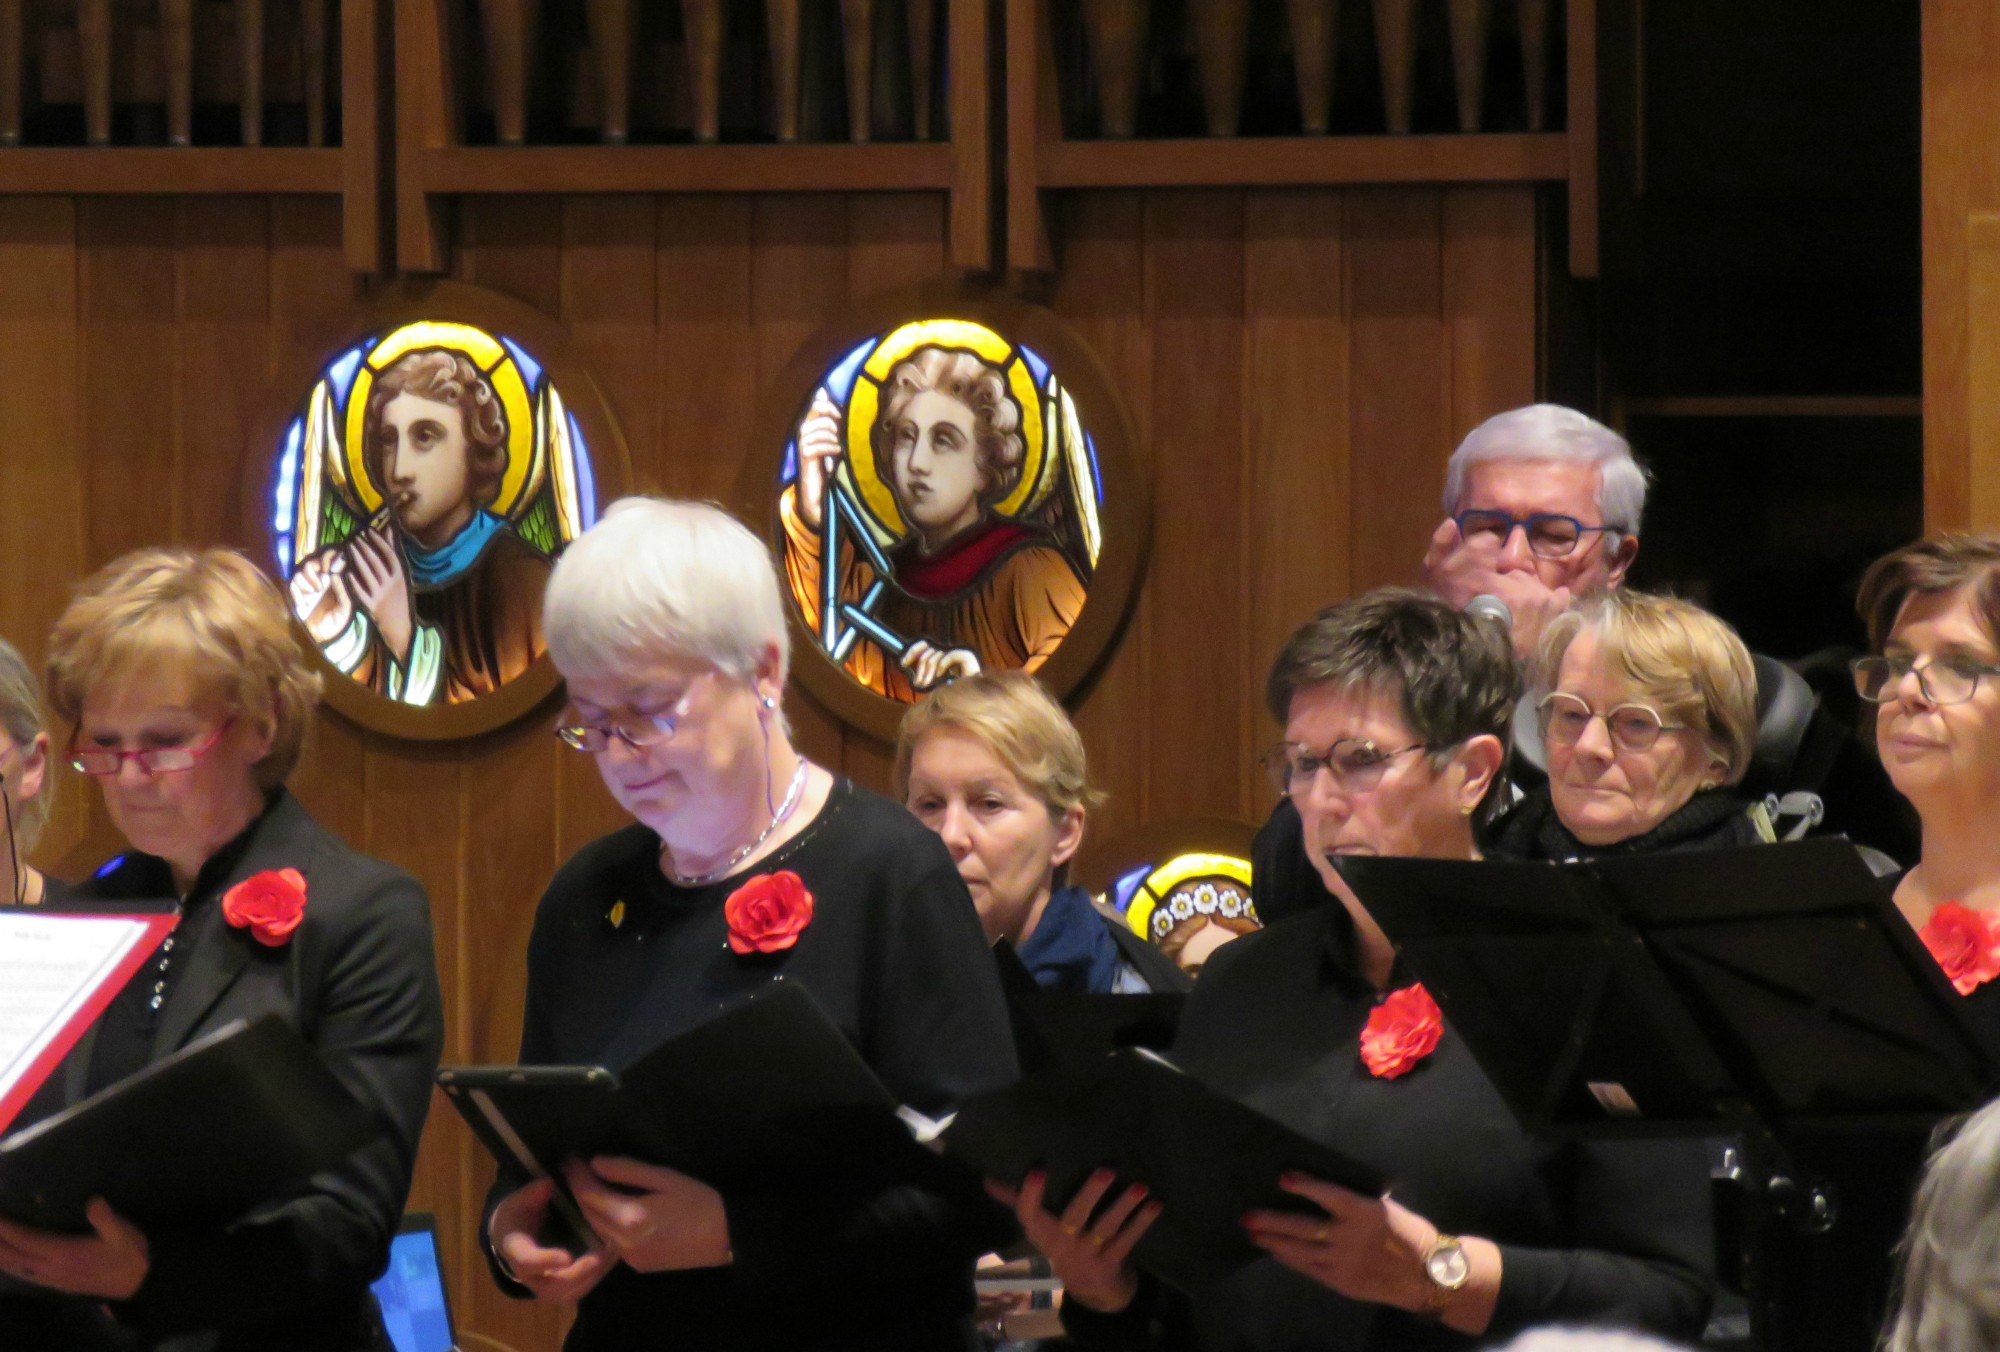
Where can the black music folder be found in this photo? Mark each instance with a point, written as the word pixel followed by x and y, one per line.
pixel 240 1118
pixel 1206 1158
pixel 1681 991
pixel 769 1095
pixel 1065 1026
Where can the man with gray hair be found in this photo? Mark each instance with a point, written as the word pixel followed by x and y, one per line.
pixel 1542 507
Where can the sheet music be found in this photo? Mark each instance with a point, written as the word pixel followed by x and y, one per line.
pixel 53 968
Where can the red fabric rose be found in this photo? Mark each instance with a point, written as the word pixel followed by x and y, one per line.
pixel 269 904
pixel 767 914
pixel 1400 1032
pixel 1966 943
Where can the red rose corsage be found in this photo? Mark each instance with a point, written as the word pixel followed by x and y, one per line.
pixel 768 913
pixel 269 904
pixel 1966 943
pixel 1400 1032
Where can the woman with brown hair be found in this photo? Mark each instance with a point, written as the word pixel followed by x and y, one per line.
pixel 1933 614
pixel 190 700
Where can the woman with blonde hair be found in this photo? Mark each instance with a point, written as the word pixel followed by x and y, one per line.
pixel 994 766
pixel 190 699
pixel 1648 717
pixel 24 765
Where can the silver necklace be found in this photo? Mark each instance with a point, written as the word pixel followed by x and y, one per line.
pixel 792 794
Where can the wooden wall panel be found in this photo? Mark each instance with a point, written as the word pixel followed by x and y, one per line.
pixel 1194 277
pixel 1296 364
pixel 1297 443
pixel 1398 378
pixel 1101 291
pixel 1961 178
pixel 42 502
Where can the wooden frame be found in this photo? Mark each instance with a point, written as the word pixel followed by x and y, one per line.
pixel 433 163
pixel 353 171
pixel 429 298
pixel 1041 159
pixel 1127 511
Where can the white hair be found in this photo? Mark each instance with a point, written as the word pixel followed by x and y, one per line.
pixel 658 578
pixel 1552 432
pixel 1586 1340
pixel 1949 1297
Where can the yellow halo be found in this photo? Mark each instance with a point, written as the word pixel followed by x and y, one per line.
pixel 864 405
pixel 1162 881
pixel 494 361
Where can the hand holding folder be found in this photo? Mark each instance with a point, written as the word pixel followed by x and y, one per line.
pixel 204 1136
pixel 767 1097
pixel 1203 1157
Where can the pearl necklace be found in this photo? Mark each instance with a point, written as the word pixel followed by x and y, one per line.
pixel 792 795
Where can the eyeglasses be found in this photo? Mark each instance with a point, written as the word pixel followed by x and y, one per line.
pixel 1356 763
pixel 1550 535
pixel 637 730
pixel 104 762
pixel 1944 680
pixel 1632 727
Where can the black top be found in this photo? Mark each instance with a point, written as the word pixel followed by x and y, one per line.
pixel 1604 1233
pixel 1834 1289
pixel 358 980
pixel 621 959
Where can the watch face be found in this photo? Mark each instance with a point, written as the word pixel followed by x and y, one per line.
pixel 1448 1267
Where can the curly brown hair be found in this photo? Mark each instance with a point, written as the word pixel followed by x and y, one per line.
pixel 445 377
pixel 982 388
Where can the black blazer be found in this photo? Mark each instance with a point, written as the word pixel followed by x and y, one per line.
pixel 359 982
pixel 1604 1233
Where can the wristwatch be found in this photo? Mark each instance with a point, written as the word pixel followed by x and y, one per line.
pixel 1448 1269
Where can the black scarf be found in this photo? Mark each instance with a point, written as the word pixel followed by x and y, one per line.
pixel 1712 819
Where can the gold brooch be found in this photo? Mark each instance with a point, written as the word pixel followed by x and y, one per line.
pixel 617 916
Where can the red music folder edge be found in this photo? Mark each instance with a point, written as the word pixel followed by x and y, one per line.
pixel 152 928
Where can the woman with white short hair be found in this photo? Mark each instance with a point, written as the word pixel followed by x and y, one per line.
pixel 746 864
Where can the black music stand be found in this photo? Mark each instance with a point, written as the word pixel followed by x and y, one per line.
pixel 1750 992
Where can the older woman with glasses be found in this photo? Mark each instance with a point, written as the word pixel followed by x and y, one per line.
pixel 746 864
pixel 1933 614
pixel 1396 710
pixel 1648 718
pixel 190 700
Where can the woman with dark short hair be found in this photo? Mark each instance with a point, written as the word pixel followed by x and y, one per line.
pixel 1396 711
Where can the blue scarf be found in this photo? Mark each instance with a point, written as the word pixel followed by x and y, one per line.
pixel 431 568
pixel 1071 950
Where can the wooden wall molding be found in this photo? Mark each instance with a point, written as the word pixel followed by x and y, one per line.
pixel 1961 193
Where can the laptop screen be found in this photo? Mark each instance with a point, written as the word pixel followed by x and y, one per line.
pixel 411 1292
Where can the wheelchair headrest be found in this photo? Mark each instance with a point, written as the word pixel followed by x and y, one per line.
pixel 1785 707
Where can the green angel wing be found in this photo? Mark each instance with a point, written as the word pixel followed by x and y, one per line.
pixel 538 524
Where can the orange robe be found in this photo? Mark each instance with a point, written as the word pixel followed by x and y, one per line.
pixel 1011 611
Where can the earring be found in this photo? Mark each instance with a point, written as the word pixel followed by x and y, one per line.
pixel 1467 809
pixel 770 701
